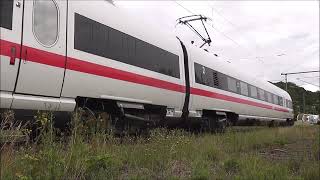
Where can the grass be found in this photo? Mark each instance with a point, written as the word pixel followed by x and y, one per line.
pixel 168 154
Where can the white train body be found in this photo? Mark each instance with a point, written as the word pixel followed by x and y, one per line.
pixel 214 98
pixel 53 52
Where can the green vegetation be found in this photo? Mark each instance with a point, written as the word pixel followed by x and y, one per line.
pixel 262 153
pixel 312 99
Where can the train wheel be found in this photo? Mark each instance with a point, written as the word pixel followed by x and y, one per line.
pixel 290 122
pixel 217 124
pixel 222 125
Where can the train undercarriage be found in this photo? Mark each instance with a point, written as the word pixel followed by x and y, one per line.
pixel 123 118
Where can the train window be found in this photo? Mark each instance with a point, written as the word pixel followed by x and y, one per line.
pixel 238 86
pixel 209 78
pixel 275 99
pixel 81 39
pixel 199 71
pixel 206 76
pixel 6 12
pixel 261 95
pixel 117 47
pixel 203 75
pixel 269 97
pixel 253 92
pixel 290 104
pixel 215 78
pixel 266 96
pixel 244 88
pixel 232 84
pixel 101 40
pixel 280 101
pixel 45 21
pixel 100 36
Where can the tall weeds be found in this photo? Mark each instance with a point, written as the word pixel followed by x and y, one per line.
pixel 165 154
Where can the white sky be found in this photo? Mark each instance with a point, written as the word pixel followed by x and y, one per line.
pixel 263 37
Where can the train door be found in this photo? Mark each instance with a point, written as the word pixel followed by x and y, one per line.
pixel 10 45
pixel 43 53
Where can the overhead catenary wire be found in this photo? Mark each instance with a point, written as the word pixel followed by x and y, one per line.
pixel 294 66
pixel 250 53
pixel 183 7
pixel 294 73
pixel 210 25
pixel 236 26
pixel 308 82
pixel 222 33
pixel 302 72
pixel 313 77
pixel 228 21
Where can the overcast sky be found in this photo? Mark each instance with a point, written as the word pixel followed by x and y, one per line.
pixel 263 37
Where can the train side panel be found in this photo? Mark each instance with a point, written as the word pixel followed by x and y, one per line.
pixel 10 42
pixel 204 97
pixel 102 73
pixel 34 32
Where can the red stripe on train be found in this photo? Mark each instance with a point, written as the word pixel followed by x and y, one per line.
pixel 100 70
pixel 32 54
pixel 56 60
pixel 215 95
pixel 5 48
pixel 43 57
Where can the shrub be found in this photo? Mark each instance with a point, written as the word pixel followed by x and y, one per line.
pixel 101 167
pixel 200 173
pixel 231 166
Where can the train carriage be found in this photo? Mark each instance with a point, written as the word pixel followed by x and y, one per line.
pixel 59 54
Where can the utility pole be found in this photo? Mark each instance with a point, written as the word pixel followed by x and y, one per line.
pixel 304 102
pixel 286 77
pixel 313 109
pixel 302 72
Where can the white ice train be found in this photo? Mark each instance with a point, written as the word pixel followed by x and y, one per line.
pixel 60 54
